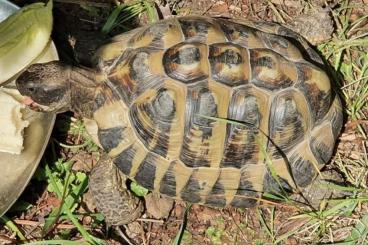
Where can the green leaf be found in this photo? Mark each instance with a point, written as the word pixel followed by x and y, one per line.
pixel 23 37
pixel 138 189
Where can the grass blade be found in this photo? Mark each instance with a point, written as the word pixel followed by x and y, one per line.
pixel 10 224
pixel 180 234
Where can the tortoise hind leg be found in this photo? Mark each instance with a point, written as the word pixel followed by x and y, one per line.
pixel 322 188
pixel 110 194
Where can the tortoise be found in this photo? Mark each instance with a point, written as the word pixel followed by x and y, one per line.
pixel 212 111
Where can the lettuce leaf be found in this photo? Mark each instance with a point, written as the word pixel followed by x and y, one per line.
pixel 23 36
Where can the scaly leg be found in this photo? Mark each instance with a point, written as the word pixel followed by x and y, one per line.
pixel 110 194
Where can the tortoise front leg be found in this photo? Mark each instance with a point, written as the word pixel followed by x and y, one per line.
pixel 110 194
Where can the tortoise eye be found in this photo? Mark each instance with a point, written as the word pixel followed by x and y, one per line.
pixel 31 89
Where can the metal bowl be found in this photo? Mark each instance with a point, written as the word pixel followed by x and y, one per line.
pixel 17 170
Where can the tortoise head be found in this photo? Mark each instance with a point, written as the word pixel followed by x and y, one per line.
pixel 47 85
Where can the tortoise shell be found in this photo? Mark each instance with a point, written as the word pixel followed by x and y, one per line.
pixel 215 111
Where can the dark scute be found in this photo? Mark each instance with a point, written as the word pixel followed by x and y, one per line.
pixel 164 105
pixel 216 197
pixel 177 58
pixel 246 113
pixel 232 30
pixel 274 41
pixel 308 53
pixel 284 115
pixel 264 61
pixel 138 66
pixel 318 100
pixel 303 171
pixel 229 57
pixel 321 151
pixel 110 137
pixel 190 191
pixel 336 122
pixel 216 201
pixel 124 160
pixel 168 182
pixel 161 111
pixel 275 186
pixel 243 202
pixel 260 63
pixel 186 56
pixel 218 188
pixel 147 172
pixel 245 194
pixel 192 160
pixel 156 31
pixel 205 106
pixel 239 153
pixel 222 57
pixel 199 27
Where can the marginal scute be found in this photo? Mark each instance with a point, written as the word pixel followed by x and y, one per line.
pixel 271 71
pixel 110 138
pixel 158 36
pixel 168 182
pixel 229 64
pixel 214 200
pixel 335 117
pixel 107 55
pixel 186 62
pixel 246 195
pixel 130 158
pixel 199 185
pixel 124 160
pixel 321 141
pixel 146 172
pixel 242 35
pixel 316 86
pixel 303 164
pixel 281 45
pixel 275 184
pixel 201 29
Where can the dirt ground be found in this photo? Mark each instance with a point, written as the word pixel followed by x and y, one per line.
pixel 77 33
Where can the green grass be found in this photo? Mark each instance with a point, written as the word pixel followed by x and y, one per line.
pixel 126 12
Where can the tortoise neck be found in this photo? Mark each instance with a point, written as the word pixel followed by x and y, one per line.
pixel 83 88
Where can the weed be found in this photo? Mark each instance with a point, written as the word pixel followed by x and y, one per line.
pixel 125 12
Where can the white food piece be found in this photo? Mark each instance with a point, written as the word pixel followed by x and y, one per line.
pixel 11 122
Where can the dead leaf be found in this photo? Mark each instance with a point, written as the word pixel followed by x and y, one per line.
pixel 158 206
